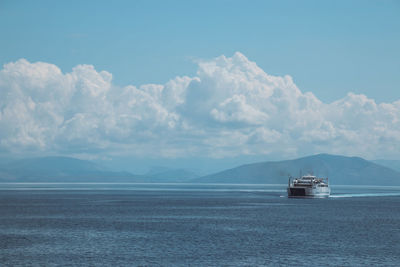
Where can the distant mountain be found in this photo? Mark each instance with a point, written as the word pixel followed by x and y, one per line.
pixel 65 169
pixel 392 164
pixel 340 170
pixel 163 174
pixel 61 169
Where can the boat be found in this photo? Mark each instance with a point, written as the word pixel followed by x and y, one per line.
pixel 308 186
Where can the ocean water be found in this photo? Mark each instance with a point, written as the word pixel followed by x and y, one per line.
pixel 196 225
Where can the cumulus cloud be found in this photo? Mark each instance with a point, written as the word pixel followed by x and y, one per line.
pixel 230 107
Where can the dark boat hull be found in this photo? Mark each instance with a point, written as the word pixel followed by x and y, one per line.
pixel 308 192
pixel 297 192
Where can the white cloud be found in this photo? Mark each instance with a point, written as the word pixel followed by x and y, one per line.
pixel 231 107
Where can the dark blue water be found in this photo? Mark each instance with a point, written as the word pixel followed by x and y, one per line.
pixel 197 225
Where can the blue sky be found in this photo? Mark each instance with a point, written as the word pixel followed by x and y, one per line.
pixel 200 79
pixel 328 47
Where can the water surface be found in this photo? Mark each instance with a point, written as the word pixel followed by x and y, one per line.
pixel 191 224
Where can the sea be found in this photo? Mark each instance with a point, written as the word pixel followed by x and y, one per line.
pixel 126 224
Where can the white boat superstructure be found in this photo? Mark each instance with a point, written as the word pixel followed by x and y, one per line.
pixel 308 186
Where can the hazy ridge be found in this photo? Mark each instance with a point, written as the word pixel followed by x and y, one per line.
pixel 339 169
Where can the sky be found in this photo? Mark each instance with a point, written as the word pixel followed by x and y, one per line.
pixel 199 83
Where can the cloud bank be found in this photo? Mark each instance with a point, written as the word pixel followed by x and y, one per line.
pixel 230 108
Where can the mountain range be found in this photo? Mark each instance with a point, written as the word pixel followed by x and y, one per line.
pixel 392 164
pixel 60 169
pixel 339 169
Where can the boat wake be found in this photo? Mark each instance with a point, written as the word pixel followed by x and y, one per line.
pixel 365 195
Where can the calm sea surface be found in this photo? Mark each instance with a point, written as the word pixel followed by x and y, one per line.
pixel 196 225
